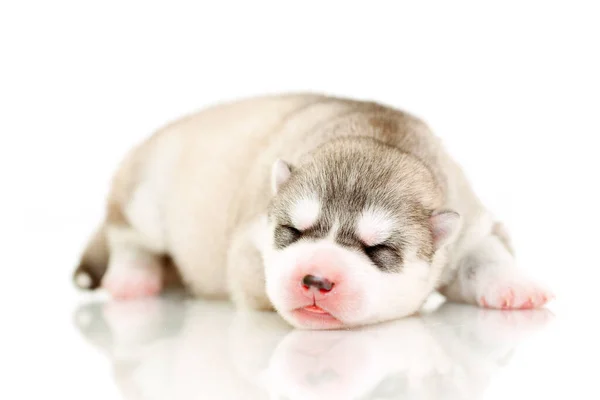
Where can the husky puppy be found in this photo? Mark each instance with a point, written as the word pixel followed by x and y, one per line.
pixel 333 212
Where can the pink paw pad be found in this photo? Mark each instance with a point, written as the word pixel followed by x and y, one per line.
pixel 133 284
pixel 515 297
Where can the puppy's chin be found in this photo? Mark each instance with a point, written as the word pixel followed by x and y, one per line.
pixel 361 310
pixel 306 318
pixel 335 312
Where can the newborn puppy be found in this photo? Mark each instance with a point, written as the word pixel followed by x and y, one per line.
pixel 333 212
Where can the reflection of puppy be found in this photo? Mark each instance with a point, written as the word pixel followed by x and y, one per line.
pixel 344 365
pixel 164 352
pixel 451 351
pixel 366 217
pixel 127 333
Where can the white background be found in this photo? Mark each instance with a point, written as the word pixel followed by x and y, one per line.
pixel 513 89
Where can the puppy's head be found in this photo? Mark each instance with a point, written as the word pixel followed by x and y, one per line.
pixel 354 237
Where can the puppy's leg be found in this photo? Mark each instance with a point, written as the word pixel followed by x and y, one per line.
pixel 245 269
pixel 487 276
pixel 133 270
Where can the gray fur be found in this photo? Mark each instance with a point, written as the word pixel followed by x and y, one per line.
pixel 349 175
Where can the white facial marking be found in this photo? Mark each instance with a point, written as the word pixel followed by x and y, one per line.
pixel 333 231
pixel 366 294
pixel 374 226
pixel 305 213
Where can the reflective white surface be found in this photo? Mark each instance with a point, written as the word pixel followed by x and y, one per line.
pixel 512 89
pixel 177 348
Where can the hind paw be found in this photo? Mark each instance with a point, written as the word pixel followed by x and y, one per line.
pixel 133 282
pixel 507 295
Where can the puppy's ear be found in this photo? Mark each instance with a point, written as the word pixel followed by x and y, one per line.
pixel 445 225
pixel 280 173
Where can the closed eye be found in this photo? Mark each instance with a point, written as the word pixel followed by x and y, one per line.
pixel 286 235
pixel 371 250
pixel 292 230
pixel 383 256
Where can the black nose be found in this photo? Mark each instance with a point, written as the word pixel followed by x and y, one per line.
pixel 317 282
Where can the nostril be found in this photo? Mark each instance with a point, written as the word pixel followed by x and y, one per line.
pixel 323 284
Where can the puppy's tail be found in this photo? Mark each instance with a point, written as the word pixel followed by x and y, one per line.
pixel 94 261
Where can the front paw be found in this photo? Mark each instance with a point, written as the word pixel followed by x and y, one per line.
pixel 513 294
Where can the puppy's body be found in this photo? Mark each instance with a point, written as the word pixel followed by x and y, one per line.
pixel 209 192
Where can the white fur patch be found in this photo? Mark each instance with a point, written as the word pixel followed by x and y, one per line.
pixel 305 213
pixel 374 226
pixel 83 280
pixel 371 295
